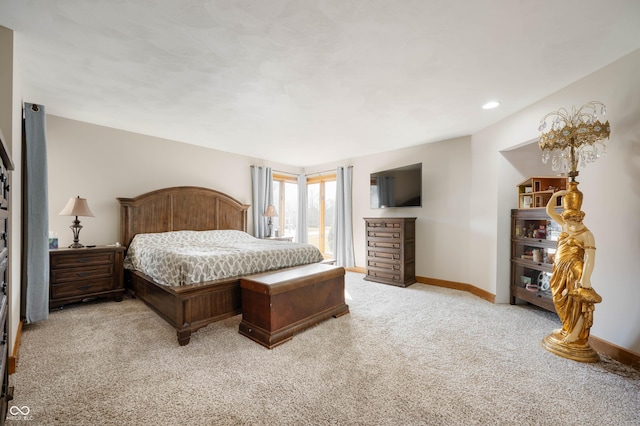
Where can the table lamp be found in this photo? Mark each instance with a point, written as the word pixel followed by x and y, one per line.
pixel 76 207
pixel 270 213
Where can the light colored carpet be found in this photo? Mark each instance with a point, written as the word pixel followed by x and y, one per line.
pixel 403 356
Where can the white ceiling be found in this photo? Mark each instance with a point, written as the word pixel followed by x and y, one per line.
pixel 308 82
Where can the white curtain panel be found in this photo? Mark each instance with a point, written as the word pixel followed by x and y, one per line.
pixel 343 241
pixel 262 196
pixel 301 228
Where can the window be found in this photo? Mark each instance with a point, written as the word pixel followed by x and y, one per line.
pixel 321 202
pixel 285 199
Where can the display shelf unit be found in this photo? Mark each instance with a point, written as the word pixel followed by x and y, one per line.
pixel 533 246
pixel 536 191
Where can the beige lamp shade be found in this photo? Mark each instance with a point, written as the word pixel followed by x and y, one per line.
pixel 76 207
pixel 270 211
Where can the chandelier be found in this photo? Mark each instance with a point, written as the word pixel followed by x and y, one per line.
pixel 573 138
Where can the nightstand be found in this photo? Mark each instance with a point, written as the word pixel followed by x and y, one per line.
pixel 85 273
pixel 279 238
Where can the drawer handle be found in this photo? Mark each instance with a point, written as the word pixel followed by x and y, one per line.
pixel 83 260
pixel 83 287
pixel 84 274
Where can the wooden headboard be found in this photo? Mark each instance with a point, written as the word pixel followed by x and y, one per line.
pixel 180 208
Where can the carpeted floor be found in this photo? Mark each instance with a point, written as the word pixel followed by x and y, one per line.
pixel 403 356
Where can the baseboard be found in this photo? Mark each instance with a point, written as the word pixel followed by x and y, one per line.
pixel 13 358
pixel 616 352
pixel 442 283
pixel 483 294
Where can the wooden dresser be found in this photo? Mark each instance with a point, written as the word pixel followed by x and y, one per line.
pixel 391 247
pixel 85 273
pixel 6 393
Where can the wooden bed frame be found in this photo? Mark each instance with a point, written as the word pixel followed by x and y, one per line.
pixel 190 307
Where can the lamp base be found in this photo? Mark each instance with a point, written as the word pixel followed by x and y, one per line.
pixel 76 227
pixel 578 351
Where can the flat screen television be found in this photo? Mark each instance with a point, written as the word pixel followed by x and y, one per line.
pixel 400 187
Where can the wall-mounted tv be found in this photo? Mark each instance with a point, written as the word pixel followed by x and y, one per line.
pixel 400 187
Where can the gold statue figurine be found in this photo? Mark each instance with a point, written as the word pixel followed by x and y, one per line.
pixel 570 282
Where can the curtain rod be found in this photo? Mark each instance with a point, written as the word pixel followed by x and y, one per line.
pixel 327 171
pixel 275 171
pixel 320 173
pixel 284 173
pixel 307 174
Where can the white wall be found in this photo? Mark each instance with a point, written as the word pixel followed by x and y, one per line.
pixel 102 164
pixel 442 221
pixel 611 197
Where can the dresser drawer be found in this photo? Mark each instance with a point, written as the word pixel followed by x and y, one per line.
pixel 384 224
pixel 384 253
pixel 88 287
pixel 75 259
pixel 386 276
pixel 385 244
pixel 4 309
pixel 382 264
pixel 4 261
pixel 4 188
pixel 389 235
pixel 81 274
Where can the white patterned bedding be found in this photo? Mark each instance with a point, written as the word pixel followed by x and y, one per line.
pixel 189 257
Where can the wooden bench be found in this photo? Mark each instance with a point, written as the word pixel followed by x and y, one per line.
pixel 278 304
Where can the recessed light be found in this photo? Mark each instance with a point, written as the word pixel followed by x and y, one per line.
pixel 491 105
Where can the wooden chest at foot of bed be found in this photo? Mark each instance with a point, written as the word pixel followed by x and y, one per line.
pixel 278 304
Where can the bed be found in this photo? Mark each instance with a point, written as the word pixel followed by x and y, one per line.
pixel 186 305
